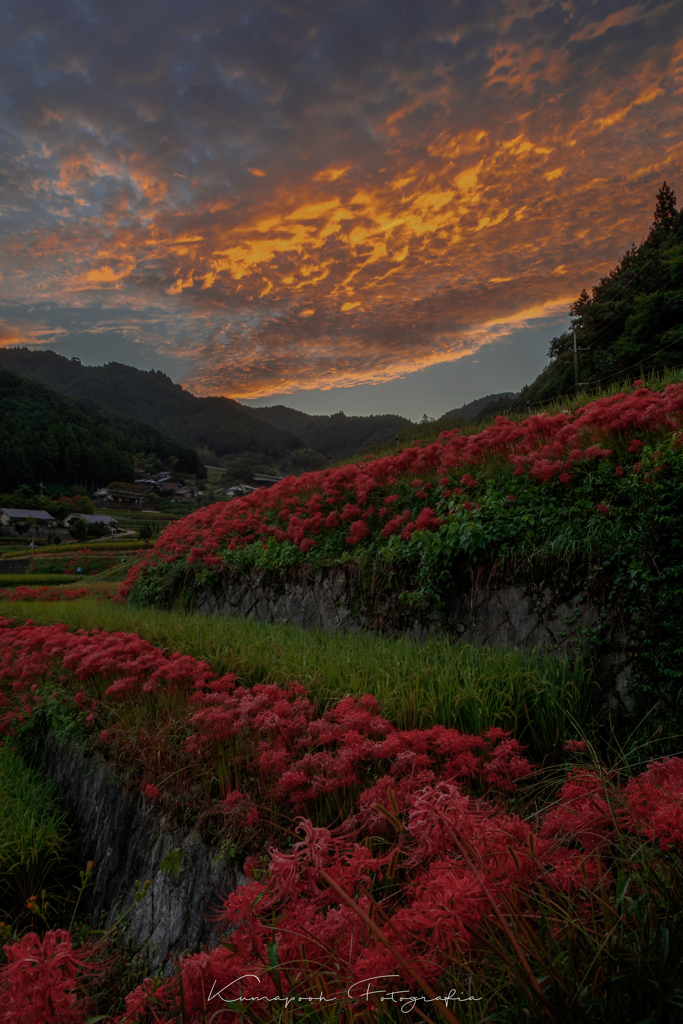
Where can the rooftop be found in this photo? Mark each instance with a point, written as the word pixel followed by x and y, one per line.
pixel 24 513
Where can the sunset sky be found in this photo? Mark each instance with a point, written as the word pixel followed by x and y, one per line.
pixel 370 206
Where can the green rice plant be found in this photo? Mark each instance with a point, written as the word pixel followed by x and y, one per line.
pixel 102 545
pixel 118 571
pixel 418 684
pixel 34 836
pixel 35 579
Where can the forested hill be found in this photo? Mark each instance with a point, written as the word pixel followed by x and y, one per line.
pixel 45 438
pixel 632 323
pixel 217 424
pixel 480 406
pixel 140 439
pixel 336 435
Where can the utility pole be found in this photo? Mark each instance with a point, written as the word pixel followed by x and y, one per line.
pixel 576 364
pixel 578 383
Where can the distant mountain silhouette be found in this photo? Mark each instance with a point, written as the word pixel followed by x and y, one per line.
pixel 217 424
pixel 220 426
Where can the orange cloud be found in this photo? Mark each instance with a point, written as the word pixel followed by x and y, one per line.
pixel 399 220
pixel 12 334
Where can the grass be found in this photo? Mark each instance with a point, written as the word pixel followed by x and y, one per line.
pixel 101 544
pixel 33 835
pixel 418 685
pixel 116 574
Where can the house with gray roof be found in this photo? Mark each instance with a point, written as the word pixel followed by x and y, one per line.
pixel 14 516
pixel 89 518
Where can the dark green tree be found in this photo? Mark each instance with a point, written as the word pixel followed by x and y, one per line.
pixel 631 321
pixel 665 215
pixel 79 529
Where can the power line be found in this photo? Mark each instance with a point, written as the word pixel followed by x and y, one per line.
pixel 525 400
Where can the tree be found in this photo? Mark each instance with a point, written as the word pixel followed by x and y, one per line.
pixel 146 531
pixel 79 529
pixel 665 215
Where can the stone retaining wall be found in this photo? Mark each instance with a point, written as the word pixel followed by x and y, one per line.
pixel 532 616
pixel 122 833
pixel 509 615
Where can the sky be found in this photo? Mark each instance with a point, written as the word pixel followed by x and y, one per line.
pixel 374 206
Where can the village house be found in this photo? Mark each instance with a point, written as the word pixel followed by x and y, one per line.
pixel 18 517
pixel 104 520
pixel 133 494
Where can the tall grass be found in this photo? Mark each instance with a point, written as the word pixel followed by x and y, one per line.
pixel 33 834
pixel 418 685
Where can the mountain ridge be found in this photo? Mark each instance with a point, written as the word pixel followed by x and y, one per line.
pixel 150 396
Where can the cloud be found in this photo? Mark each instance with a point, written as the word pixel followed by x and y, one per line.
pixel 308 195
pixel 13 334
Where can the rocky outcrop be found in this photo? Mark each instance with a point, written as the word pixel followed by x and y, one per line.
pixel 118 829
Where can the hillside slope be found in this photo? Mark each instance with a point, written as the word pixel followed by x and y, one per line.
pixel 137 437
pixel 589 495
pixel 335 435
pixel 217 424
pixel 46 439
pixel 471 410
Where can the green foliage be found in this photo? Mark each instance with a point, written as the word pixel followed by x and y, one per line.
pixel 33 837
pixel 217 424
pixel 173 862
pixel 163 585
pixel 79 529
pixel 633 320
pixel 151 449
pixel 147 530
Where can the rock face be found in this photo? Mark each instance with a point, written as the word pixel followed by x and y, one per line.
pixel 121 832
pixel 541 615
pixel 510 615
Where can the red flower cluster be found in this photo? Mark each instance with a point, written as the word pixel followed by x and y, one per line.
pixel 452 862
pixel 46 594
pixel 300 755
pixel 355 498
pixel 39 982
pixel 429 852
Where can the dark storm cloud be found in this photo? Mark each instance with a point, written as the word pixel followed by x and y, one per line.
pixel 304 194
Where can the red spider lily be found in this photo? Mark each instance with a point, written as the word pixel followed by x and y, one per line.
pixel 300 509
pixel 39 982
pixel 44 594
pixel 429 813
